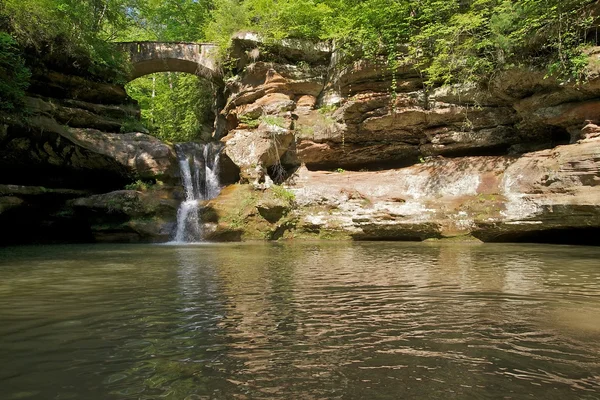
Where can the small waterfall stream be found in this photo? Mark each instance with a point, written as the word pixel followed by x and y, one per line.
pixel 199 166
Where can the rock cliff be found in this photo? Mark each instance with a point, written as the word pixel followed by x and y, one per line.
pixel 72 140
pixel 363 152
pixel 371 153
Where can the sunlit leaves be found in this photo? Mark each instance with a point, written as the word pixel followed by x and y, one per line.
pixel 175 107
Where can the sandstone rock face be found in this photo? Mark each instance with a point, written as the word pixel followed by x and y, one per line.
pixel 261 110
pixel 504 162
pixel 60 86
pixel 549 190
pixel 47 153
pixel 344 116
pixel 254 151
pixel 72 138
pixel 81 114
pixel 515 160
pixel 144 156
pixel 71 145
pixel 492 198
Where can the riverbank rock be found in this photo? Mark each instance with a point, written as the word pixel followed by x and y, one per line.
pixel 541 195
pixel 242 212
pixel 129 215
pixel 76 138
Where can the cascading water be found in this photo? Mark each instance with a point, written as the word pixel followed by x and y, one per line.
pixel 199 165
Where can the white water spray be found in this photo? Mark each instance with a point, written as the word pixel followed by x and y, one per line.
pixel 199 166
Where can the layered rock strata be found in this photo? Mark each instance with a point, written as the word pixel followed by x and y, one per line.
pixel 515 160
pixel 78 138
pixel 549 195
pixel 363 152
pixel 364 116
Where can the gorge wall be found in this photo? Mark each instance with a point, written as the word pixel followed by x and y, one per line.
pixel 517 159
pixel 65 163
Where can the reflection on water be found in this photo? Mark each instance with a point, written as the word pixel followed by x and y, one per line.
pixel 310 321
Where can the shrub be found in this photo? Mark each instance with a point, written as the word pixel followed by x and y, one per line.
pixel 250 122
pixel 282 193
pixel 139 185
pixel 273 121
pixel 14 76
pixel 133 125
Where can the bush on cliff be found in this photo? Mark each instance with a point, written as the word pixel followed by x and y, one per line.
pixel 449 40
pixel 69 35
pixel 14 76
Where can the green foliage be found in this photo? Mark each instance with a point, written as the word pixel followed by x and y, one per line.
pixel 71 34
pixel 139 185
pixel 273 120
pixel 328 108
pixel 249 121
pixel 176 107
pixel 133 125
pixel 14 76
pixel 483 36
pixel 227 17
pixel 282 193
pixel 447 40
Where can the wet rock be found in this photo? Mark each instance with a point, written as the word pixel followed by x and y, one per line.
pixel 272 209
pixel 129 215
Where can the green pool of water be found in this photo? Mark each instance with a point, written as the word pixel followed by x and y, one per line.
pixel 300 321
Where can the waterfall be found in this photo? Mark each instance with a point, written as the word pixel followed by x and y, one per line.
pixel 199 166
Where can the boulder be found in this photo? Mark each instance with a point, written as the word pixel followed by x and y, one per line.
pixel 253 151
pixel 144 156
pixel 129 215
pixel 44 152
pixel 272 209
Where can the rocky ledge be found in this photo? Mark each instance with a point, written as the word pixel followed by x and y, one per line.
pixel 360 115
pixel 548 195
pixel 362 152
pixel 513 160
pixel 78 139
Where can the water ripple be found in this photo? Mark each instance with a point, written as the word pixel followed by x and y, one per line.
pixel 310 321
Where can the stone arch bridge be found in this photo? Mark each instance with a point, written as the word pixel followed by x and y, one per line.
pixel 194 58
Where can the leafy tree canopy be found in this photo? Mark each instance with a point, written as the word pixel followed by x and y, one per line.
pixel 446 40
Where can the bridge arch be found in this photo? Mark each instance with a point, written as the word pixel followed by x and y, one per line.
pixel 194 58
